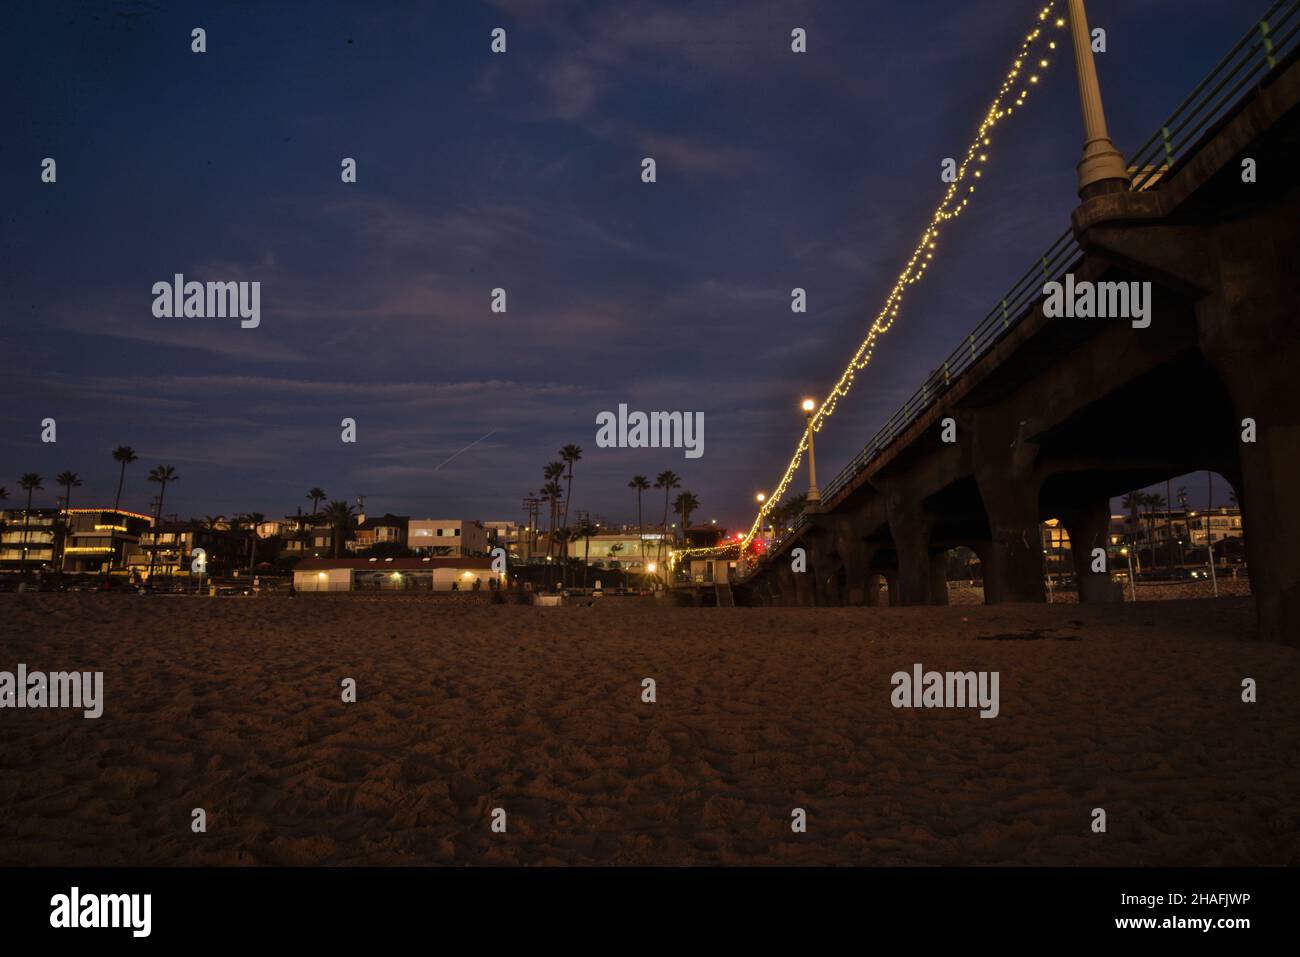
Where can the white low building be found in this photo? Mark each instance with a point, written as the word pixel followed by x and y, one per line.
pixel 394 574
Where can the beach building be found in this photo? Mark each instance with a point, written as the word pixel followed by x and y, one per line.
pixel 1219 524
pixel 616 549
pixel 314 539
pixel 503 533
pixel 30 539
pixel 169 547
pixel 446 537
pixel 702 570
pixel 99 539
pixel 388 530
pixel 272 528
pixel 393 574
pixel 305 536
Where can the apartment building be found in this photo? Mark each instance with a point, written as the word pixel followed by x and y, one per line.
pixel 99 539
pixel 169 547
pixel 30 538
pixel 447 537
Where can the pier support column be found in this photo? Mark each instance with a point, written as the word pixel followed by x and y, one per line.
pixel 910 526
pixel 938 576
pixel 1003 459
pixel 802 583
pixel 1247 332
pixel 848 533
pixel 823 565
pixel 857 571
pixel 787 589
pixel 1244 276
pixel 1013 569
pixel 1089 527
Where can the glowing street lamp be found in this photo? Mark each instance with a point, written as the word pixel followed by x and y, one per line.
pixel 1132 583
pixel 814 496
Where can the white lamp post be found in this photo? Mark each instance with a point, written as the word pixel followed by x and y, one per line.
pixel 1102 169
pixel 814 496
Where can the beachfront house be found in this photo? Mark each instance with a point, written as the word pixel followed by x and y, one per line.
pixel 99 539
pixel 167 549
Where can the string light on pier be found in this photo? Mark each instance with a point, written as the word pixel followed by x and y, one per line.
pixel 953 203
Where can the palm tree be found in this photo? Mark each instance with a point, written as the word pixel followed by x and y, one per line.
pixel 339 514
pixel 1169 521
pixel 683 505
pixel 124 455
pixel 641 484
pixel 1134 501
pixel 32 483
pixel 1182 504
pixel 569 455
pixel 1153 502
pixel 252 520
pixel 586 530
pixel 666 480
pixel 162 475
pixel 552 474
pixel 67 481
pixel 563 535
pixel 213 522
pixel 316 496
pixel 794 507
pixel 551 492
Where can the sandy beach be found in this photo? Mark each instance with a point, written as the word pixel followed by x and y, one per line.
pixel 233 705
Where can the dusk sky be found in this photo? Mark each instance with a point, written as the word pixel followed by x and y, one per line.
pixel 520 171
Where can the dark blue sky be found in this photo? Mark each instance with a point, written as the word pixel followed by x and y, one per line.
pixel 522 171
